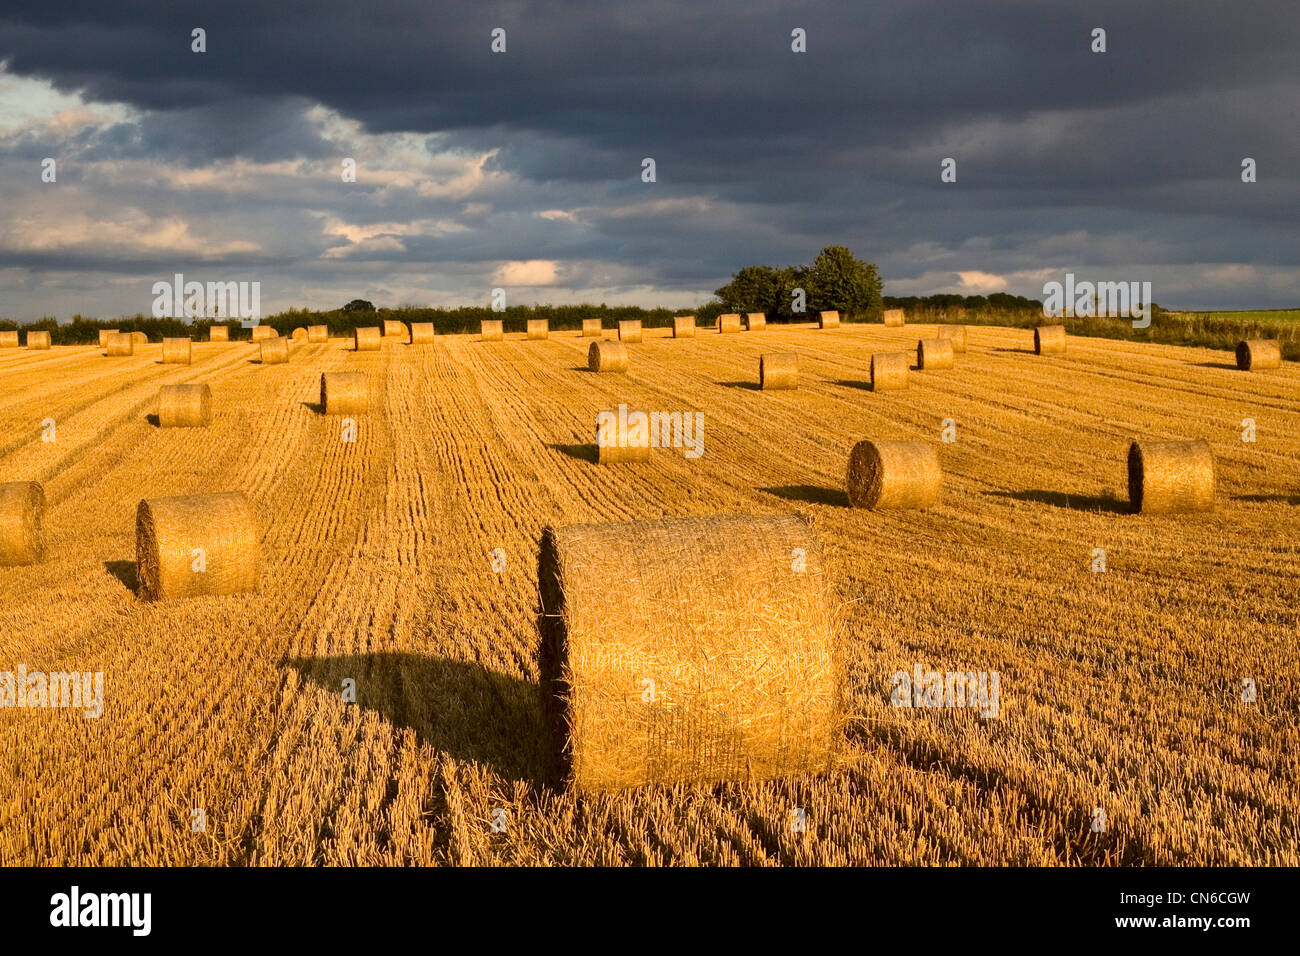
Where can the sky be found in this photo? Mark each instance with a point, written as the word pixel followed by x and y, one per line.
pixel 523 169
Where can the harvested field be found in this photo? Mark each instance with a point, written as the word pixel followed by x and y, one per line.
pixel 1120 690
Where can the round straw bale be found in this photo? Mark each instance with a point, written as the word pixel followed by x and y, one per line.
pixel 103 336
pixel 22 518
pixel 622 437
pixel 629 330
pixel 828 320
pixel 934 353
pixel 492 330
pixel 367 339
pixel 274 351
pixel 317 334
pixel 1255 354
pixel 689 651
pixel 38 340
pixel 422 333
pixel 893 318
pixel 138 339
pixel 889 371
pixel 120 343
pixel 729 322
pixel 195 545
pixel 894 474
pixel 344 393
pixel 608 357
pixel 1171 476
pixel 299 334
pixel 8 340
pixel 683 326
pixel 1049 340
pixel 263 332
pixel 956 334
pixel 218 333
pixel 395 329
pixel 184 406
pixel 755 321
pixel 538 328
pixel 176 352
pixel 590 327
pixel 778 370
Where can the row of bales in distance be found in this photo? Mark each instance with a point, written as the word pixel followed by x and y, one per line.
pixel 762 693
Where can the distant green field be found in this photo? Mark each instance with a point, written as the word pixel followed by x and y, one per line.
pixel 1255 315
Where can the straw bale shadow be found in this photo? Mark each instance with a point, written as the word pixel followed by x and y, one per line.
pixel 456 707
pixel 316 407
pixel 1287 499
pixel 126 572
pixel 1230 366
pixel 812 494
pixel 853 383
pixel 1059 499
pixel 752 386
pixel 580 452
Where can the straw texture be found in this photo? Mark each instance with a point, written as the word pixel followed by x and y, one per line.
pixel 184 406
pixel 591 328
pixel 422 333
pixel 344 393
pixel 1049 340
pixel 729 322
pixel 629 330
pixel 755 321
pixel 689 651
pixel 22 519
pixel 299 334
pixel 608 357
pixel 889 371
pixel 828 320
pixel 138 339
pixel 683 326
pixel 317 334
pixel 956 334
pixel 218 333
pixel 367 339
pixel 622 441
pixel 893 474
pixel 1254 354
pixel 538 329
pixel 196 545
pixel 934 353
pixel 177 352
pixel 120 343
pixel 104 334
pixel 396 330
pixel 8 340
pixel 274 351
pixel 263 332
pixel 1171 477
pixel 894 318
pixel 492 330
pixel 778 370
pixel 38 340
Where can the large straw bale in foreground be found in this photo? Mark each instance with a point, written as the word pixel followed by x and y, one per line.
pixel 274 351
pixel 22 520
pixel 894 318
pixel 828 320
pixel 367 339
pixel 629 330
pixel 120 343
pixel 38 340
pixel 177 352
pixel 608 357
pixel 689 651
pixel 317 334
pixel 894 474
pixel 729 322
pixel 344 393
pixel 956 334
pixel 422 333
pixel 537 329
pixel 778 370
pixel 1171 476
pixel 889 371
pixel 492 330
pixel 196 545
pixel 1254 354
pixel 1049 340
pixel 591 328
pixel 755 321
pixel 934 353
pixel 683 326
pixel 184 406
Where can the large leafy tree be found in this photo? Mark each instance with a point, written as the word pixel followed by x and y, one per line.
pixel 839 280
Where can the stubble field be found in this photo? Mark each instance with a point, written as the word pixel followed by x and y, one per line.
pixel 1119 690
